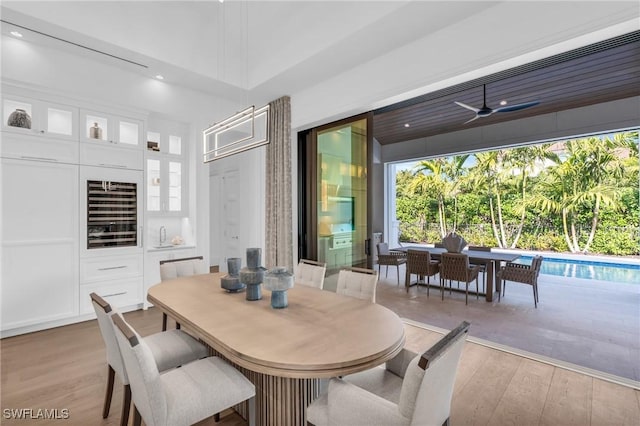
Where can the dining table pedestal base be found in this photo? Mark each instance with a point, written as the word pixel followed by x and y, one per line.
pixel 280 401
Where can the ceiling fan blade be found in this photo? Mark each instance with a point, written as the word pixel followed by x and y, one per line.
pixel 474 118
pixel 516 107
pixel 466 106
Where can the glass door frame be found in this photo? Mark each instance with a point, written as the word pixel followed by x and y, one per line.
pixel 308 190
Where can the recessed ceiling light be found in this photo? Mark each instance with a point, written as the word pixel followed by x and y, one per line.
pixel 16 34
pixel 407 125
pixel 503 102
pixel 160 77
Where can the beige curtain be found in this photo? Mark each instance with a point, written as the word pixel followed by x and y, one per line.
pixel 279 238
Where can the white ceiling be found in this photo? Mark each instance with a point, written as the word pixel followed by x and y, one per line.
pixel 282 47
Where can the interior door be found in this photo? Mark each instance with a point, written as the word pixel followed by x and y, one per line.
pixel 336 224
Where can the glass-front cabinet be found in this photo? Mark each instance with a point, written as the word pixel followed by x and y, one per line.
pixel 166 173
pixel 164 185
pixel 99 127
pixel 37 117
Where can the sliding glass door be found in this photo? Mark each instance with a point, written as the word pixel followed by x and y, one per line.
pixel 334 193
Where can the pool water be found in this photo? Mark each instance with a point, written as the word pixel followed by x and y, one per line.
pixel 603 271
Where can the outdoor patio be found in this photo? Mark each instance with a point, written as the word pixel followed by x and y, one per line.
pixel 593 324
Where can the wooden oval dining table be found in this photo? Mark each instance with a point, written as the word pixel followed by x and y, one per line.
pixel 286 352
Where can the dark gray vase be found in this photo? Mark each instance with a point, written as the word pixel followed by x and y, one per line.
pixel 19 118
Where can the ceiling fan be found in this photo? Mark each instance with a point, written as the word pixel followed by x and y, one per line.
pixel 485 111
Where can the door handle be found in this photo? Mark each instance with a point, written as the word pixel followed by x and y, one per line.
pixel 367 246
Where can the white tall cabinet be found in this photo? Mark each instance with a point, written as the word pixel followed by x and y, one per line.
pixel 39 242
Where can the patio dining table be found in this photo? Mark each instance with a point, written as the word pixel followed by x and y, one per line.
pixel 490 259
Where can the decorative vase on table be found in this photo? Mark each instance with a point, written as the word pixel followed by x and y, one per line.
pixel 253 275
pixel 231 281
pixel 454 243
pixel 278 280
pixel 19 118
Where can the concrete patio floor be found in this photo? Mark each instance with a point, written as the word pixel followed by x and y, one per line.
pixel 594 324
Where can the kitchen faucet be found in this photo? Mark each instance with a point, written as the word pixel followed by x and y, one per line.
pixel 163 235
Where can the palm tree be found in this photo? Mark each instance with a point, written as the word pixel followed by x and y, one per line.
pixel 527 161
pixel 582 184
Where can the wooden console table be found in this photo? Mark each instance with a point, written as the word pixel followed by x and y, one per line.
pixel 284 352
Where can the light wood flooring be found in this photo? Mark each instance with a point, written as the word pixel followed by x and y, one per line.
pixel 65 368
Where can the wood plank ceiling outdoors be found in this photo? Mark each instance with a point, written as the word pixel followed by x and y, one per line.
pixel 602 72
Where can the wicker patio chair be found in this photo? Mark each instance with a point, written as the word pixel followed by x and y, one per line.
pixel 419 263
pixel 393 258
pixel 525 274
pixel 483 266
pixel 456 267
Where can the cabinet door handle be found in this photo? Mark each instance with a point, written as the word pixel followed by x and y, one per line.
pixel 112 165
pixel 112 267
pixel 28 157
pixel 115 294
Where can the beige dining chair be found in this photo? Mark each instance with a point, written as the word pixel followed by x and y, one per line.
pixel 182 396
pixel 184 267
pixel 310 273
pixel 358 282
pixel 410 389
pixel 456 267
pixel 388 257
pixel 168 350
pixel 521 273
pixel 483 266
pixel 419 263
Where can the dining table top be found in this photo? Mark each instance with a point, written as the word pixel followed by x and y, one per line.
pixel 473 254
pixel 320 334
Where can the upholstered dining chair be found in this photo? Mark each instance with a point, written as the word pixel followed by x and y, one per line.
pixel 358 282
pixel 456 267
pixel 175 268
pixel 182 396
pixel 525 274
pixel 168 350
pixel 410 389
pixel 483 266
pixel 419 262
pixel 310 273
pixel 388 257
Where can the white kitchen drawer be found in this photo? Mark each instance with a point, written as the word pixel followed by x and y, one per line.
pixel 26 147
pixel 111 267
pixel 111 156
pixel 119 293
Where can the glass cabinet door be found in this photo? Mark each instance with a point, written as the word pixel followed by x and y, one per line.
pixel 153 186
pixel 103 127
pixel 37 117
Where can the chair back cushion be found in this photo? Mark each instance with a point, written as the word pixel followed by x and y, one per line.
pixel 427 387
pixel 454 266
pixel 383 248
pixel 147 392
pixel 182 268
pixel 104 311
pixel 433 403
pixel 310 275
pixel 361 285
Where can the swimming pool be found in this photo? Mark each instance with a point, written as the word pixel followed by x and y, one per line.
pixel 588 269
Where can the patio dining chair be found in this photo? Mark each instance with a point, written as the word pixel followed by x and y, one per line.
pixel 483 266
pixel 419 262
pixel 521 273
pixel 390 257
pixel 456 267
